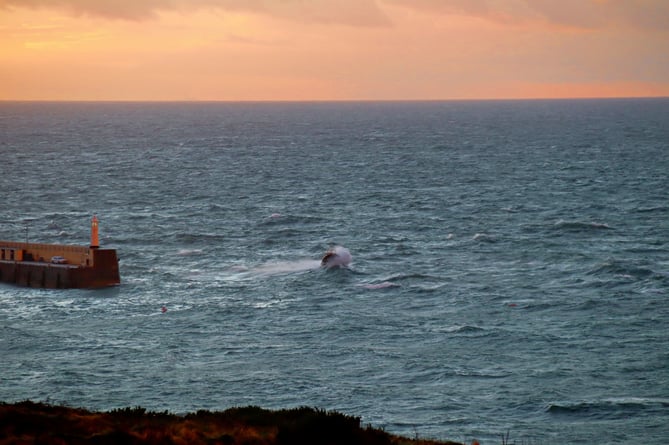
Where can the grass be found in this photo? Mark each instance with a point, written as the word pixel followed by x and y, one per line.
pixel 31 423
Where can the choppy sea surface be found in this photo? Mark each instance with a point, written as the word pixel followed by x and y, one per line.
pixel 510 262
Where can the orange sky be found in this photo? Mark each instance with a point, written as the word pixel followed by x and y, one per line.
pixel 332 49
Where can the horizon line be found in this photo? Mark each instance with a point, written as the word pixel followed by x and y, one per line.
pixel 278 101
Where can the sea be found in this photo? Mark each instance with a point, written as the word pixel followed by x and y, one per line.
pixel 509 281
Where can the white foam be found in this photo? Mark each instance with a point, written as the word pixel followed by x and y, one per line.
pixel 284 267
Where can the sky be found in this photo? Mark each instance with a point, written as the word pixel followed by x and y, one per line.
pixel 299 50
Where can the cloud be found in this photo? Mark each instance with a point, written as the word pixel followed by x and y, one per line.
pixel 587 14
pixel 118 9
pixel 347 12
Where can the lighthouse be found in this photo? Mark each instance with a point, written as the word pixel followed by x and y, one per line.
pixel 95 240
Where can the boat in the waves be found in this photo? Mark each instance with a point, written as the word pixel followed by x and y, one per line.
pixel 337 256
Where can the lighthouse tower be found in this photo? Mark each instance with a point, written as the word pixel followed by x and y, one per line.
pixel 95 240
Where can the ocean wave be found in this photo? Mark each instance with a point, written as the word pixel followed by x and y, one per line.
pixel 590 304
pixel 610 408
pixel 621 269
pixel 532 306
pixel 283 219
pixel 482 373
pixel 412 276
pixel 282 236
pixel 189 252
pixel 218 208
pixel 393 239
pixel 580 226
pixel 464 329
pixel 381 285
pixel 651 209
pixel 484 238
pixel 193 238
pixel 418 282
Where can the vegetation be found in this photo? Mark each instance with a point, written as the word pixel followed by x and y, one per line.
pixel 31 423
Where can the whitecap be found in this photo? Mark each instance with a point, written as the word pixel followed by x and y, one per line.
pixel 189 252
pixel 382 285
pixel 483 238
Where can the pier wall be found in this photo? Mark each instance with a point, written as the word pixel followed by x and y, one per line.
pixel 29 265
pixel 17 251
